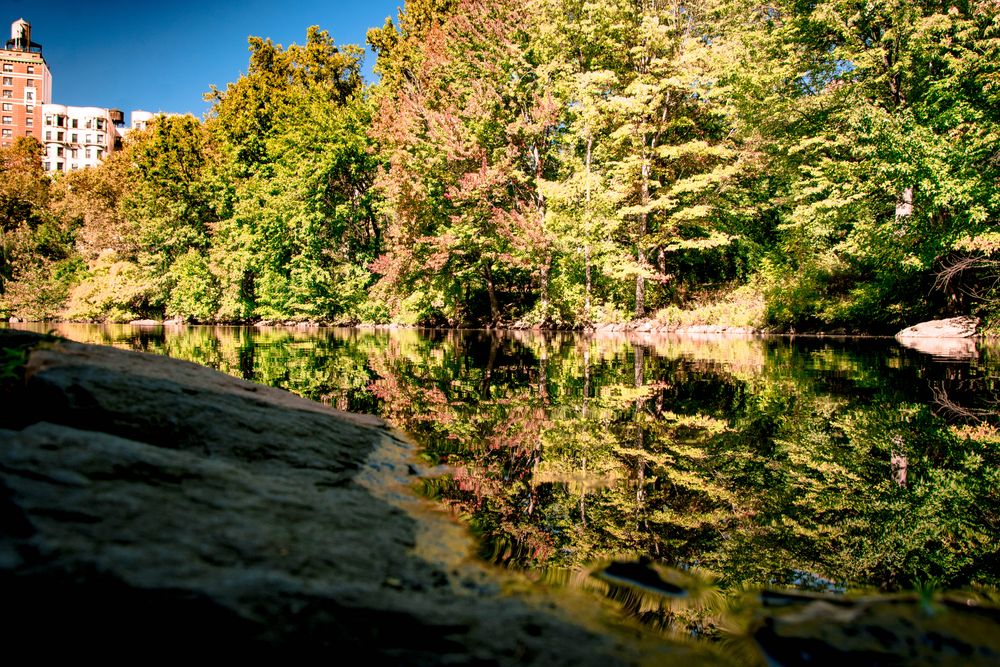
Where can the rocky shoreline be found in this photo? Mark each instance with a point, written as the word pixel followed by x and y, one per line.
pixel 957 327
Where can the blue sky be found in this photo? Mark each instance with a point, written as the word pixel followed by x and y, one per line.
pixel 162 55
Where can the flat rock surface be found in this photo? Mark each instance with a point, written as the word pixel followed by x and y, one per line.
pixel 150 506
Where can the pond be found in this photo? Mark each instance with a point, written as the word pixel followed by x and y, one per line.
pixel 815 463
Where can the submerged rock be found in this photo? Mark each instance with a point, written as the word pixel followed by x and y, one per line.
pixel 804 629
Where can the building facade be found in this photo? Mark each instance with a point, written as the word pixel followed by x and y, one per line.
pixel 78 137
pixel 25 86
pixel 140 120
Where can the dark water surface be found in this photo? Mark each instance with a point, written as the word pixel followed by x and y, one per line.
pixel 844 465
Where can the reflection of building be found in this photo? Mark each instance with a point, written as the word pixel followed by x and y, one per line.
pixel 26 85
pixel 79 137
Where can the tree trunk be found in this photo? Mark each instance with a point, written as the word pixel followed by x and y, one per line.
pixel 492 292
pixel 897 460
pixel 640 254
pixel 904 208
pixel 546 270
pixel 588 218
pixel 248 293
pixel 540 208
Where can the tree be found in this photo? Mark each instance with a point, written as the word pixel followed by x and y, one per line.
pixel 868 120
pixel 575 47
pixel 292 183
pixel 37 261
pixel 467 154
pixel 142 210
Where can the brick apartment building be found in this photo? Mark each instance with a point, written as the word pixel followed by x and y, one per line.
pixel 25 86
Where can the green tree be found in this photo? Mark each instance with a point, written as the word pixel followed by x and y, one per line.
pixel 292 185
pixel 140 211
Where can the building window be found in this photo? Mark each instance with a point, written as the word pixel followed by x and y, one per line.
pixel 31 69
pixel 27 133
pixel 29 121
pixel 74 153
pixel 29 109
pixel 76 123
pixel 8 67
pixel 8 81
pixel 87 138
pixel 7 106
pixel 48 120
pixel 48 166
pixel 59 136
pixel 60 121
pixel 8 94
pixel 100 138
pixel 29 94
pixel 72 138
pixel 8 133
pixel 86 153
pixel 100 123
pixel 30 83
pixel 8 120
pixel 90 123
pixel 59 151
pixel 48 135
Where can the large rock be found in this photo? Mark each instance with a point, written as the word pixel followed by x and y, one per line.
pixel 152 507
pixel 954 327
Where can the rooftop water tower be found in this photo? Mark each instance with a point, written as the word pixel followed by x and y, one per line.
pixel 20 37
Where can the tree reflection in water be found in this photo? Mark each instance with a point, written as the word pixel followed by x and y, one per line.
pixel 741 462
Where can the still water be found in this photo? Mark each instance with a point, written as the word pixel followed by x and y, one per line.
pixel 831 465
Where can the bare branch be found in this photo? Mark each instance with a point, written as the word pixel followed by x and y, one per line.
pixel 953 268
pixel 953 409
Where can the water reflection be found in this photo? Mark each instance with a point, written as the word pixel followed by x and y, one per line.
pixel 814 464
pixel 955 349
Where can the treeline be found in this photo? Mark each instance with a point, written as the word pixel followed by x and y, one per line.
pixel 809 165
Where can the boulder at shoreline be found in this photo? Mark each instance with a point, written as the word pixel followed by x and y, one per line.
pixel 953 327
